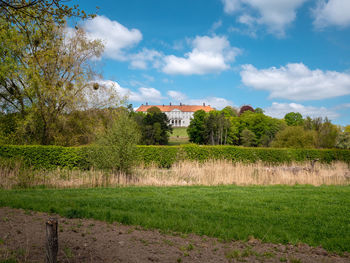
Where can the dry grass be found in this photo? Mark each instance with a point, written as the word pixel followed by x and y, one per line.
pixel 225 172
pixel 183 173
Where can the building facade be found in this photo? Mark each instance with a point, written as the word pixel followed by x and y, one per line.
pixel 178 115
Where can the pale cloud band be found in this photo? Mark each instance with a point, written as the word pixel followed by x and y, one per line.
pixel 152 95
pixel 215 102
pixel 143 94
pixel 297 82
pixel 279 110
pixel 278 15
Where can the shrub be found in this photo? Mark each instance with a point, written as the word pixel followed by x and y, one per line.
pixel 116 148
pixel 48 157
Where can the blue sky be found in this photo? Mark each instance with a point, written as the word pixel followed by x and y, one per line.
pixel 280 55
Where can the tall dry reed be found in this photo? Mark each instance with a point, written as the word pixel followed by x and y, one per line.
pixel 182 173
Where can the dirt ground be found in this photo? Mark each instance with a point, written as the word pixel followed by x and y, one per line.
pixel 22 237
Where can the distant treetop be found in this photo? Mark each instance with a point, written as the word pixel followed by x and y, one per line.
pixel 246 108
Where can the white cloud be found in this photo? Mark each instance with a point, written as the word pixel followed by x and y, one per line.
pixel 215 26
pixel 218 103
pixel 277 15
pixel 231 6
pixel 209 55
pixel 247 20
pixel 116 37
pixel 215 102
pixel 177 95
pixel 141 59
pixel 143 94
pixel 146 94
pixel 297 82
pixel 278 110
pixel 332 13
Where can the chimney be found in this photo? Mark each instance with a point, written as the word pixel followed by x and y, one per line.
pixel 204 104
pixel 170 103
pixel 146 103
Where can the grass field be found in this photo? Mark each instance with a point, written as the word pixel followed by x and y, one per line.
pixel 179 136
pixel 278 214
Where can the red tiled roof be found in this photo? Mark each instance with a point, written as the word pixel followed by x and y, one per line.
pixel 183 108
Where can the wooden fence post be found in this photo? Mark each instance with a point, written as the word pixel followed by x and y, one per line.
pixel 51 240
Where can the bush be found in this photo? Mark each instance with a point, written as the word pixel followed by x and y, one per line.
pixel 48 157
pixel 116 148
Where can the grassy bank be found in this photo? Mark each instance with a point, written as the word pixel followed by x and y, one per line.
pixel 179 136
pixel 312 215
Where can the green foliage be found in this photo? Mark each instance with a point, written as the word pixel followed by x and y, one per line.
pixel 44 74
pixel 50 157
pixel 295 137
pixel 264 127
pixel 196 129
pixel 326 132
pixel 216 128
pixel 277 214
pixel 266 155
pixel 327 135
pixel 229 111
pixel 154 126
pixel 163 156
pixel 259 110
pixel 343 140
pixel 116 149
pixel 47 157
pixel 347 129
pixel 294 119
pixel 248 138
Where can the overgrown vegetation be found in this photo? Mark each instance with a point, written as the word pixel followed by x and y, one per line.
pixel 278 214
pixel 253 128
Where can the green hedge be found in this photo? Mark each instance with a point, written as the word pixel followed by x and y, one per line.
pixel 49 157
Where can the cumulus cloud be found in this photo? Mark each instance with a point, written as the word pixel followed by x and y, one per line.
pixel 143 94
pixel 297 82
pixel 116 37
pixel 332 13
pixel 209 55
pixel 231 6
pixel 142 59
pixel 216 102
pixel 278 110
pixel 177 95
pixel 277 15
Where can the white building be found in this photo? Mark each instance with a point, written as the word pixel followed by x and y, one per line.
pixel 178 115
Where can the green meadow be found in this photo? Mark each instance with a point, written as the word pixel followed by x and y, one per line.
pixel 279 214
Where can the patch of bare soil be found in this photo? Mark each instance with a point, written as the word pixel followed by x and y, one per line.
pixel 22 237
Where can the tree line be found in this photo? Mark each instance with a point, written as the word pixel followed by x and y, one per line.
pixel 253 128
